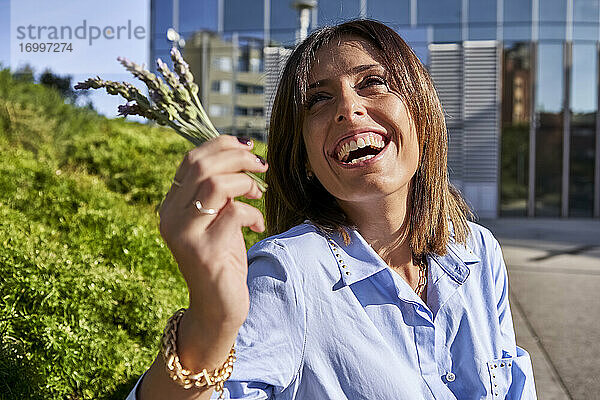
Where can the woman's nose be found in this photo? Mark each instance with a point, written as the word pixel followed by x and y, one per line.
pixel 349 107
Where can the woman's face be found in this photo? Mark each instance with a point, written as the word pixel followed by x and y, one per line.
pixel 359 136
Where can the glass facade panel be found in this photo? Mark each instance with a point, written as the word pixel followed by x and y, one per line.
pixel 549 129
pixel 417 40
pixel 246 17
pixel 394 13
pixel 553 16
pixel 482 20
pixel 517 20
pixel 162 19
pixel 335 11
pixel 284 22
pixel 516 117
pixel 584 106
pixel 197 15
pixel 585 20
pixel 443 17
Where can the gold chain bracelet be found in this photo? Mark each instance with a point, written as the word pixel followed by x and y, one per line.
pixel 184 377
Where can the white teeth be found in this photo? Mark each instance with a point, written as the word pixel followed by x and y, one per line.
pixel 362 158
pixel 352 145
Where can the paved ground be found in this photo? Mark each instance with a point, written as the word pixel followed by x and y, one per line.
pixel 554 274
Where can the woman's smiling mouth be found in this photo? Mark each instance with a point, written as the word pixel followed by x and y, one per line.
pixel 357 149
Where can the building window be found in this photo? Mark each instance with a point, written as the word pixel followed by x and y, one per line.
pixel 250 111
pixel 248 60
pixel 258 111
pixel 218 110
pixel 482 20
pixel 549 129
pixel 256 64
pixel 243 64
pixel 443 17
pixel 517 20
pixel 516 106
pixel 222 87
pixel 223 63
pixel 583 108
pixel 552 20
pixel 244 88
pixel 585 19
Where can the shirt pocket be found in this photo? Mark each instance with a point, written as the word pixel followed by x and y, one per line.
pixel 511 377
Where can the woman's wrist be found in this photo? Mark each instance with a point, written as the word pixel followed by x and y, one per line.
pixel 201 346
pixel 185 377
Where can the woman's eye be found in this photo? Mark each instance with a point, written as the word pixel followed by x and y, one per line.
pixel 314 99
pixel 374 80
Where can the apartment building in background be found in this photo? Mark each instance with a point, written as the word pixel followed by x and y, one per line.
pixel 230 74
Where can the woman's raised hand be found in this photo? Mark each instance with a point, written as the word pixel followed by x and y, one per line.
pixel 209 248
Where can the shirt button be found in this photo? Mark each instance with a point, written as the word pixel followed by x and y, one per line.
pixel 450 377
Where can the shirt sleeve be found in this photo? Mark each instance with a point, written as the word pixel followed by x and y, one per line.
pixel 270 344
pixel 522 383
pixel 132 394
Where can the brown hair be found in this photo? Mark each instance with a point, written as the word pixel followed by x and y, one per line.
pixel 292 197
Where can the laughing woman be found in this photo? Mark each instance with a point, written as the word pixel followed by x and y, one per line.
pixel 373 285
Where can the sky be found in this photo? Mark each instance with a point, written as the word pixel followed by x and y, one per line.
pixel 93 36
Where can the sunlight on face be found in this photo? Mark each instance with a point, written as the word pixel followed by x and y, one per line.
pixel 360 139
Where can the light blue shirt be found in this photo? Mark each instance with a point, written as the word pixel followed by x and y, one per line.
pixel 329 321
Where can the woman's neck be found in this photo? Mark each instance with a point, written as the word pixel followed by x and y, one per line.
pixel 384 223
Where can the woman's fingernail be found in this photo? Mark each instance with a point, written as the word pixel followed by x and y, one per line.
pixel 261 160
pixel 245 140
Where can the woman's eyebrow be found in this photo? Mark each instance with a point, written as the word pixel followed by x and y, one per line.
pixel 352 71
pixel 361 68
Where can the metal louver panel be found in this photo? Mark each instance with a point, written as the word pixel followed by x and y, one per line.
pixel 275 59
pixel 467 80
pixel 445 62
pixel 481 112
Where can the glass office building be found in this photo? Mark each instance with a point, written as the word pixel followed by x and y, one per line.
pixel 519 80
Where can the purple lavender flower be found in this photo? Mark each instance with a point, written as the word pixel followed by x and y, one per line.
pixel 90 83
pixel 178 108
pixel 131 108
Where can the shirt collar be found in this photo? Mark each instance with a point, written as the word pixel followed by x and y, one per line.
pixel 358 260
pixel 455 262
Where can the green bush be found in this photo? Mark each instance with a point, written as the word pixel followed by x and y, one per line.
pixel 86 282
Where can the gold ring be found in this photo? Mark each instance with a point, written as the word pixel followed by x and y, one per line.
pixel 202 210
pixel 176 182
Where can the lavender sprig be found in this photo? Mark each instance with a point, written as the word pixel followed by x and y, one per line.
pixel 187 79
pixel 173 101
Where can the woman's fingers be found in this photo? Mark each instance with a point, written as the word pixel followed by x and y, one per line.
pixel 220 143
pixel 204 176
pixel 202 157
pixel 214 193
pixel 225 161
pixel 211 174
pixel 234 215
pixel 216 190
